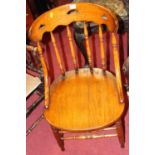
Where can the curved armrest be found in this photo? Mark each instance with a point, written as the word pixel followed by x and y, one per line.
pixel 46 77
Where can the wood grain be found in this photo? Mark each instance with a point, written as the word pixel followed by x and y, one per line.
pixel 115 47
pixel 87 45
pixel 102 49
pixel 57 53
pixel 84 102
pixel 46 76
pixel 66 14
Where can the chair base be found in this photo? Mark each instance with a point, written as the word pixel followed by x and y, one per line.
pixel 119 129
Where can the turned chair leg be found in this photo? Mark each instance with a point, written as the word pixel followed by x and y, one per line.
pixel 58 137
pixel 120 132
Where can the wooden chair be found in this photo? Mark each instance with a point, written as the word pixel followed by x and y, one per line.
pixel 83 100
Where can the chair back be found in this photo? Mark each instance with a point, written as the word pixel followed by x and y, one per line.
pixel 64 16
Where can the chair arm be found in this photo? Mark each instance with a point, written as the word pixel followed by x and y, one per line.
pixel 46 76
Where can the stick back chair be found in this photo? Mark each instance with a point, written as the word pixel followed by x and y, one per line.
pixel 82 100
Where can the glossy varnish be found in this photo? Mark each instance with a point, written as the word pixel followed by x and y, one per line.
pixel 83 99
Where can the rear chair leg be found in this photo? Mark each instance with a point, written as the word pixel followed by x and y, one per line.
pixel 58 137
pixel 120 132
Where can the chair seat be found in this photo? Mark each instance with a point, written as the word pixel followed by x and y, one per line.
pixel 84 101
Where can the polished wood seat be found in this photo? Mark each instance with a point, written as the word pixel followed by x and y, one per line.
pixel 85 101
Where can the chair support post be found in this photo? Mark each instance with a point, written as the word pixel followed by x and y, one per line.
pixel 117 67
pixel 120 132
pixel 58 136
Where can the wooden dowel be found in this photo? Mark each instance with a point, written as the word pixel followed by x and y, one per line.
pixel 71 47
pixel 87 45
pixel 88 136
pixel 115 47
pixel 57 54
pixel 105 129
pixel 45 72
pixel 102 49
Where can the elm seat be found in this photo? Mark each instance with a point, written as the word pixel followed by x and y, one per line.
pixel 84 96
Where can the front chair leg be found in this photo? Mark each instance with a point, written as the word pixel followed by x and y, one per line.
pixel 120 132
pixel 58 137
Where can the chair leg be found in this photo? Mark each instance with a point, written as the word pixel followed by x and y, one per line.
pixel 58 137
pixel 120 132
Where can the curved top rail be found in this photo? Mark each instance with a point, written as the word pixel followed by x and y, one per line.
pixel 66 14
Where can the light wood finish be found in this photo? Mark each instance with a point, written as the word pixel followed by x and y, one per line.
pixel 87 45
pixel 31 83
pixel 89 136
pixel 88 12
pixel 96 105
pixel 46 77
pixel 91 99
pixel 115 47
pixel 102 48
pixel 57 54
pixel 72 47
pixel 104 129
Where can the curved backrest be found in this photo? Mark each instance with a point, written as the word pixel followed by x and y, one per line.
pixel 67 14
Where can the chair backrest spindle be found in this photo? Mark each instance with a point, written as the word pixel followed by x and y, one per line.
pixel 115 47
pixel 72 47
pixel 57 54
pixel 102 49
